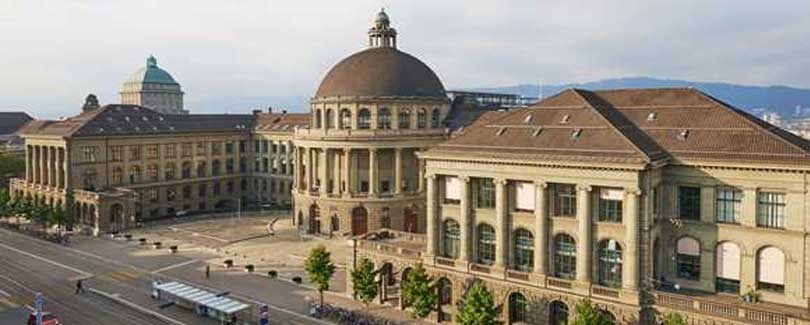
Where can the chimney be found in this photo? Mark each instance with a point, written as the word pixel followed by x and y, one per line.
pixel 284 112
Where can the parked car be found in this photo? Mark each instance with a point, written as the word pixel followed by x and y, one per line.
pixel 47 319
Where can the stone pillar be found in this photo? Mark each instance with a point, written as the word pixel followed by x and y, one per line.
pixel 421 186
pixel 631 269
pixel 465 249
pixel 297 168
pixel 347 162
pixel 502 229
pixel 337 172
pixel 323 169
pixel 43 165
pixel 60 167
pixel 541 229
pixel 308 169
pixel 432 218
pixel 584 254
pixel 324 122
pixel 372 172
pixel 29 168
pixel 397 171
pixel 35 164
pixel 52 166
pixel 65 169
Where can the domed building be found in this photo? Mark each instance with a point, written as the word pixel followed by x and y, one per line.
pixel 357 169
pixel 154 88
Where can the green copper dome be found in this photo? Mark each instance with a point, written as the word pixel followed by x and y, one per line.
pixel 151 73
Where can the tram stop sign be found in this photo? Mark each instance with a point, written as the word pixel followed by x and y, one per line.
pixel 264 313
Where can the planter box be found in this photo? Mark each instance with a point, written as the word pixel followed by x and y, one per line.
pixel 249 268
pixel 157 244
pixel 297 279
pixel 142 241
pixel 173 248
pixel 128 237
pixel 228 263
pixel 272 274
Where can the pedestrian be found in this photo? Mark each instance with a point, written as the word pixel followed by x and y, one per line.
pixel 207 272
pixel 79 286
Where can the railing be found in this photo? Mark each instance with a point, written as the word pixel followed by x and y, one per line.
pixel 366 132
pixel 604 291
pixel 479 268
pixel 559 283
pixel 445 261
pixel 721 309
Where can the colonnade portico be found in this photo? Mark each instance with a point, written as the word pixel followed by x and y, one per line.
pixel 46 165
pixel 504 225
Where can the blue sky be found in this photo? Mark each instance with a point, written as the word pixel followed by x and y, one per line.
pixel 229 55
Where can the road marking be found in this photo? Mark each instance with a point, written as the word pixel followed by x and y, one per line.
pixel 135 306
pixel 170 267
pixel 198 234
pixel 4 294
pixel 46 260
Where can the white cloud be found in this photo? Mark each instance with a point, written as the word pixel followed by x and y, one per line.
pixel 236 52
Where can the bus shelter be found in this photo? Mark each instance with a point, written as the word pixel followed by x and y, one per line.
pixel 205 303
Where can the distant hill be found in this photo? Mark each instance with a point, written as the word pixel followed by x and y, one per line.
pixel 780 99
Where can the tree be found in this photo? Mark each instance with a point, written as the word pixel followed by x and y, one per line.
pixel 364 283
pixel 419 293
pixel 22 208
pixel 57 216
pixel 479 307
pixel 41 213
pixel 320 268
pixel 674 319
pixel 585 313
pixel 10 166
pixel 5 203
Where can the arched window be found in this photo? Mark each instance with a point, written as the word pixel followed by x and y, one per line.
pixel 445 291
pixel 201 167
pixel 771 270
pixel 383 119
pixel 518 308
pixel 558 313
pixel 364 119
pixel 216 167
pixel 152 173
pixel 186 170
pixel 345 119
pixel 727 268
pixel 335 222
pixel 385 218
pixel 117 176
pixel 450 240
pixel 486 244
pixel 565 256
pixel 404 118
pixel 688 258
pixel 421 118
pixel 169 171
pixel 229 166
pixel 524 250
pixel 435 118
pixel 610 263
pixel 134 175
pixel 330 119
pixel 317 118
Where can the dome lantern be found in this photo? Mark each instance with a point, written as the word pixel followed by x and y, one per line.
pixel 381 34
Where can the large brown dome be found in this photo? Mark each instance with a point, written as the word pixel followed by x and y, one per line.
pixel 381 72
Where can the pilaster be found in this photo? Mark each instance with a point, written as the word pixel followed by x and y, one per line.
pixel 584 228
pixel 541 230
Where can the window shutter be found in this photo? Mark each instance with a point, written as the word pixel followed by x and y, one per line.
pixel 688 246
pixel 611 194
pixel 728 261
pixel 772 266
pixel 452 188
pixel 524 196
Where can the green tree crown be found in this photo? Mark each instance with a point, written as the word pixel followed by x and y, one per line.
pixel 586 313
pixel 320 268
pixel 419 293
pixel 364 281
pixel 479 307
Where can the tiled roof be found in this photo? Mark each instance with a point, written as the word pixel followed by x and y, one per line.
pixel 640 125
pixel 280 122
pixel 10 122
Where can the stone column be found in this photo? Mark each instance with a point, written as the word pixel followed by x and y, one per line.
pixel 65 169
pixel 323 169
pixel 337 173
pixel 540 229
pixel 324 122
pixel 347 162
pixel 297 168
pixel 464 220
pixel 43 165
pixel 372 172
pixel 35 164
pixel 60 167
pixel 432 218
pixel 308 169
pixel 397 171
pixel 502 229
pixel 584 254
pixel 29 168
pixel 631 274
pixel 52 166
pixel 421 186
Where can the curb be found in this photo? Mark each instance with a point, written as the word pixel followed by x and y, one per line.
pixel 136 307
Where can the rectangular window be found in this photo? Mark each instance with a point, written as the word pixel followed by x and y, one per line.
pixel 216 148
pixel 229 147
pixel 200 148
pixel 610 205
pixel 134 153
pixel 152 194
pixel 486 193
pixel 689 202
pixel 524 196
pixel 257 146
pixel 729 205
pixel 265 146
pixel 452 190
pixel 89 154
pixel 168 150
pixel 116 153
pixel 152 151
pixel 242 147
pixel 771 210
pixel 565 200
pixel 185 149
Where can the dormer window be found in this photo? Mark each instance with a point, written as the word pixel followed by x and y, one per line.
pixel 652 116
pixel 500 131
pixel 682 135
pixel 528 118
pixel 145 119
pixel 126 118
pixel 565 118
pixel 575 133
pixel 537 132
